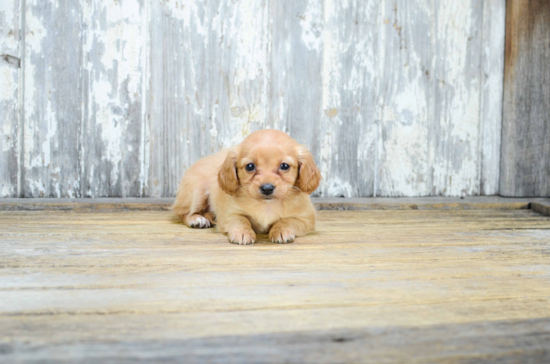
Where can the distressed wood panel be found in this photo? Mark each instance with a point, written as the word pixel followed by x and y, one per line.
pixel 171 59
pixel 541 205
pixel 237 73
pixel 430 98
pixel 394 98
pixel 406 94
pixel 348 134
pixel 494 20
pixel 456 132
pixel 53 90
pixel 130 286
pixel 295 67
pixel 209 82
pixel 111 148
pixel 10 76
pixel 525 160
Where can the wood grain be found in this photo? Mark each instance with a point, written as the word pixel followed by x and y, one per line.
pixel 113 79
pixel 295 65
pixel 10 107
pixel 52 106
pixel 525 162
pixel 366 286
pixel 406 93
pixel 348 135
pixel 208 83
pixel 394 98
pixel 354 204
pixel 492 78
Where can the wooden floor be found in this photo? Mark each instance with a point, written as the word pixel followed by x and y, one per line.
pixel 413 286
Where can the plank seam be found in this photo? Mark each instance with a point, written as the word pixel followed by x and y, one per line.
pixel 21 121
pixel 164 204
pixel 482 121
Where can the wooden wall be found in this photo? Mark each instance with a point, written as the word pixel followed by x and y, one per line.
pixel 526 121
pixel 118 98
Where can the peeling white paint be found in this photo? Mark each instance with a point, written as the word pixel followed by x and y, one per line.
pixel 494 24
pixel 326 151
pixel 7 13
pixel 7 191
pixel 7 132
pixel 8 89
pixel 439 117
pixel 311 22
pixel 338 188
pixel 50 135
pixel 35 35
pixel 35 31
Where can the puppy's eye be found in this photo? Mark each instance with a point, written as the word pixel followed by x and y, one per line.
pixel 285 167
pixel 250 167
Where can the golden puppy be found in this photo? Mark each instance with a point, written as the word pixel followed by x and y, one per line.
pixel 260 186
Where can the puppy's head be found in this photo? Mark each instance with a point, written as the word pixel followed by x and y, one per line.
pixel 269 165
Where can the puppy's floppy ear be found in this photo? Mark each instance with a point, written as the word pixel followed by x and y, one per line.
pixel 227 175
pixel 308 173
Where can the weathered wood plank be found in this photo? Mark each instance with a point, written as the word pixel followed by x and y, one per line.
pixel 525 159
pixel 10 106
pixel 494 20
pixel 209 87
pixel 394 98
pixel 112 79
pixel 430 94
pixel 348 135
pixel 295 68
pixel 177 39
pixel 238 73
pixel 380 203
pixel 128 286
pixel 405 96
pixel 457 124
pixel 506 341
pixel 53 93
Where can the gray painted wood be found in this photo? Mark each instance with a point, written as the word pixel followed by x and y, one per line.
pixel 394 98
pixel 503 341
pixel 295 57
pixel 494 20
pixel 10 76
pixel 541 205
pixel 173 99
pixel 52 106
pixel 405 96
pixel 525 163
pixel 472 286
pixel 348 135
pixel 114 41
pixel 430 92
pixel 208 82
pixel 458 88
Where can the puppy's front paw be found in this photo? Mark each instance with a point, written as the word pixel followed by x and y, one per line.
pixel 242 236
pixel 282 234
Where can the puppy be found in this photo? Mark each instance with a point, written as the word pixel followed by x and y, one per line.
pixel 260 186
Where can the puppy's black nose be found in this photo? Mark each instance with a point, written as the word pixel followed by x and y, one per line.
pixel 267 189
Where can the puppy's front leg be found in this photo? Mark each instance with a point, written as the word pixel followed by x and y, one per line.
pixel 285 230
pixel 239 230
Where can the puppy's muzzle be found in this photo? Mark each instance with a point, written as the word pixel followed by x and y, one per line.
pixel 267 189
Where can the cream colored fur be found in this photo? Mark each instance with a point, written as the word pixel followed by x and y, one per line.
pixel 218 190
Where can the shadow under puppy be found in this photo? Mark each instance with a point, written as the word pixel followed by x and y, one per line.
pixel 260 186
